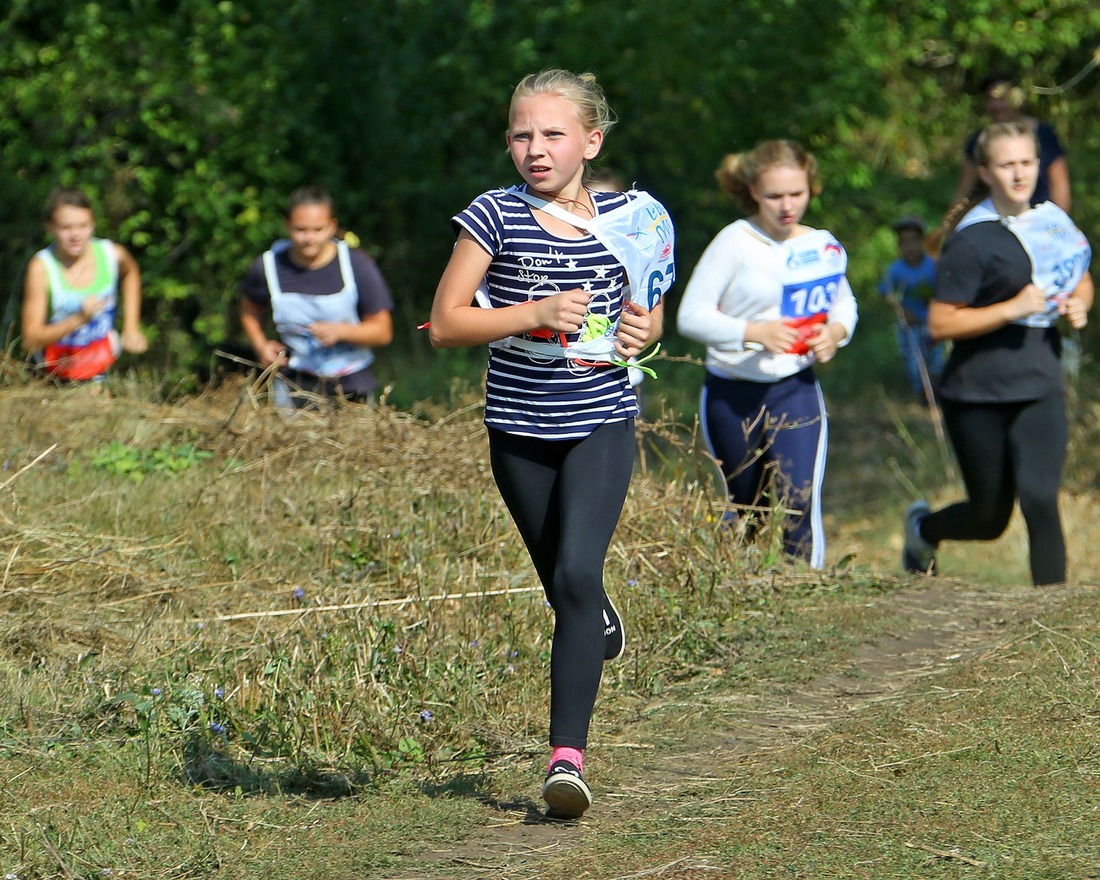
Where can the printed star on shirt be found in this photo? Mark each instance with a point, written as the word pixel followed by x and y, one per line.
pixel 587 286
pixel 571 263
pixel 601 271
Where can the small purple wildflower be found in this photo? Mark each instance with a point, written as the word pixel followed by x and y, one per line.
pixel 632 583
pixel 425 716
pixel 219 692
pixel 299 594
pixel 215 727
pixel 155 692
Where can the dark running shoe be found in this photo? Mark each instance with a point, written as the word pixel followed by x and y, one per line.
pixel 614 639
pixel 918 556
pixel 566 794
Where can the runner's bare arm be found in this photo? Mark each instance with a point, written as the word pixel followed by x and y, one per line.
pixel 639 328
pixel 373 331
pixel 268 351
pixel 1076 306
pixel 37 331
pixel 953 321
pixel 129 283
pixel 455 322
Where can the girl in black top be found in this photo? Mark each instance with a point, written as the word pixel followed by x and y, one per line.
pixel 1006 276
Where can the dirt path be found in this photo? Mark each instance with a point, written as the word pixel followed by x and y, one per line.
pixel 945 623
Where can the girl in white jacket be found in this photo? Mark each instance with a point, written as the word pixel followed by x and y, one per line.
pixel 769 297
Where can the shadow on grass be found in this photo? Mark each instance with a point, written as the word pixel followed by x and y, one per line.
pixel 216 772
pixel 473 785
pixel 219 773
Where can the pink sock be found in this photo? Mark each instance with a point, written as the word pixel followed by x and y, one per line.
pixel 563 753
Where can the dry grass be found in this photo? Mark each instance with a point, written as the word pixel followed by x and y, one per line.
pixel 203 663
pixel 342 559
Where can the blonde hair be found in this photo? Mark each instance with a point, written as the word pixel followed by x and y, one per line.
pixel 579 89
pixel 741 171
pixel 995 132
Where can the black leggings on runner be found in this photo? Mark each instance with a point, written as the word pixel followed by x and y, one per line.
pixel 1008 451
pixel 565 497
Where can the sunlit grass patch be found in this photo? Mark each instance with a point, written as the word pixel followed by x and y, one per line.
pixel 311 628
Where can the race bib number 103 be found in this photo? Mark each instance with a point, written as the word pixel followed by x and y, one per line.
pixel 807 299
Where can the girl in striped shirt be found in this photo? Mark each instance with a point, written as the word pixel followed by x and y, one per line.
pixel 562 316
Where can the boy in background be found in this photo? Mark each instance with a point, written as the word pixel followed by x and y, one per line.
pixel 908 283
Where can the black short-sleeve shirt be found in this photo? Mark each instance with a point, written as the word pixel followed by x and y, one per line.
pixel 374 294
pixel 374 297
pixel 982 265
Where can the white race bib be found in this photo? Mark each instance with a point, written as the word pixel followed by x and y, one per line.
pixel 1058 251
pixel 811 281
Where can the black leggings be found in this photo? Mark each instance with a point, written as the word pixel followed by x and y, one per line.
pixel 565 497
pixel 1008 451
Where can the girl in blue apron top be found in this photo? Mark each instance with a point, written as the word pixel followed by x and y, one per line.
pixel 769 298
pixel 329 303
pixel 1007 275
pixel 71 293
pixel 569 283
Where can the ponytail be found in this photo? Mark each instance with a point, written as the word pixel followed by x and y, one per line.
pixel 740 172
pixel 951 219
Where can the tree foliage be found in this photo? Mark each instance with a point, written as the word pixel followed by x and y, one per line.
pixel 189 122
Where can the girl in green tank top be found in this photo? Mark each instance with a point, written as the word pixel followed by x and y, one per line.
pixel 71 293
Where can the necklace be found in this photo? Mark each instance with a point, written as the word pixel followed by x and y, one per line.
pixel 575 203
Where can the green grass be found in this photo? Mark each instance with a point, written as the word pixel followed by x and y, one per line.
pixel 996 763
pixel 237 646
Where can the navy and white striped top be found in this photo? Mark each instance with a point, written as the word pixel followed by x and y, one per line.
pixel 525 393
